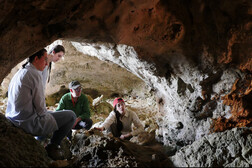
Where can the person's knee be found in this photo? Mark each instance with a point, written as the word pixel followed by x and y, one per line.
pixel 70 114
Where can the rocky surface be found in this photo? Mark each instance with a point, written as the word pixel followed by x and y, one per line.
pixel 232 148
pixel 96 76
pixel 95 150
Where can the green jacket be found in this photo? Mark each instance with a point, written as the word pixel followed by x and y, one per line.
pixel 81 108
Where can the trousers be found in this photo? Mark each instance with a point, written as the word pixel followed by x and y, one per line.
pixel 65 120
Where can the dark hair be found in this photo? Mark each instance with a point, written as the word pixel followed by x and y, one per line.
pixel 39 54
pixel 56 49
pixel 119 124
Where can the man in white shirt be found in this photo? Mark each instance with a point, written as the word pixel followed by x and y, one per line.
pixel 26 106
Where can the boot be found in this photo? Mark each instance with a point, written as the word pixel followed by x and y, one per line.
pixel 55 152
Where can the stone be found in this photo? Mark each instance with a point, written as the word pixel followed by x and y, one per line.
pixel 19 149
pixel 217 149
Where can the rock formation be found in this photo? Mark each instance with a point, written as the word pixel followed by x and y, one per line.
pixel 231 148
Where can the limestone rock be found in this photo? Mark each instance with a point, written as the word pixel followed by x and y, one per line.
pixel 230 148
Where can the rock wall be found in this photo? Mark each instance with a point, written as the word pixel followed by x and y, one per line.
pixel 231 148
pixel 188 101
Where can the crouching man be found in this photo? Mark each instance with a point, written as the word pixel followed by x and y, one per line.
pixel 77 102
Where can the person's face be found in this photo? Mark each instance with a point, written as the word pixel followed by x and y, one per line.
pixel 57 56
pixel 40 63
pixel 76 92
pixel 120 107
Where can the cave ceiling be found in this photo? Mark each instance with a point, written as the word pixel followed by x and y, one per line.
pixel 159 30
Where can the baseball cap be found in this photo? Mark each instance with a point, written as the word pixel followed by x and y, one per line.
pixel 74 84
pixel 117 100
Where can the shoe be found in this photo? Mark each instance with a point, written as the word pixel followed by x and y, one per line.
pixel 55 152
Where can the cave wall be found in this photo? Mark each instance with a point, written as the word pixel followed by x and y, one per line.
pixel 188 101
pixel 190 53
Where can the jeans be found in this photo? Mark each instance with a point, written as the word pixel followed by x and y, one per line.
pixel 65 120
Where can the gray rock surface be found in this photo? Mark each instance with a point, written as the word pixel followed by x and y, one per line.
pixel 232 148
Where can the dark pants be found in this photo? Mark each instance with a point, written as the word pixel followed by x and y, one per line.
pixel 65 120
pixel 87 125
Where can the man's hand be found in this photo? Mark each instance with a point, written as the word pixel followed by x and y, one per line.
pixel 122 137
pixel 99 128
pixel 125 136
